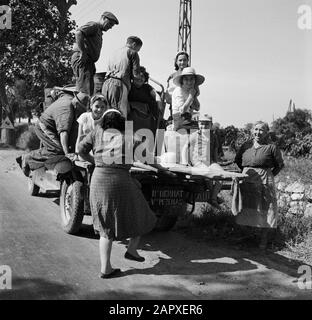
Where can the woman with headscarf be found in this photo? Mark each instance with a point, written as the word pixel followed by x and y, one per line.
pixel 254 200
pixel 118 206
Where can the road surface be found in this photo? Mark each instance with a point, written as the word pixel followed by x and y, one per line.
pixel 47 263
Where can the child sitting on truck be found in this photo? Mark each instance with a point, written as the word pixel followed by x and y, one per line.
pixel 202 151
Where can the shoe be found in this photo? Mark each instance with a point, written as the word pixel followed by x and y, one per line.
pixel 25 169
pixel 114 273
pixel 131 257
pixel 19 161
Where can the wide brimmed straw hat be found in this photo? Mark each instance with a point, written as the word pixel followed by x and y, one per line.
pixel 188 71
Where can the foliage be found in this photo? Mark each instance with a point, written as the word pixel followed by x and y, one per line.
pixel 296 169
pixel 294 228
pixel 294 133
pixel 35 53
pixel 26 137
pixel 234 137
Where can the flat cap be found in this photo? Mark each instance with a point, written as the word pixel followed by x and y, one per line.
pixel 110 16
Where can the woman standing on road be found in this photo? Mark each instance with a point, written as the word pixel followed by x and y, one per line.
pixel 254 200
pixel 118 207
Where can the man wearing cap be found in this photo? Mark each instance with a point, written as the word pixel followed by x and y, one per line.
pixel 87 49
pixel 57 130
pixel 123 67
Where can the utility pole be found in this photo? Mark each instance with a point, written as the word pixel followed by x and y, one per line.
pixel 185 27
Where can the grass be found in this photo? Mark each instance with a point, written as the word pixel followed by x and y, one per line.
pixel 296 170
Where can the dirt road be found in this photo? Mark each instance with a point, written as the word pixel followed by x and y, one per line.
pixel 47 263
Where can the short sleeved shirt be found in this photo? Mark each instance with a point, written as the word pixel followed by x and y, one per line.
pixel 59 116
pixel 87 122
pixel 93 39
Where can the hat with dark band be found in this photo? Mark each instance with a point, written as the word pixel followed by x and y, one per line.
pixel 188 71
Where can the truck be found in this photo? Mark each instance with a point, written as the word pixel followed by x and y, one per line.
pixel 169 193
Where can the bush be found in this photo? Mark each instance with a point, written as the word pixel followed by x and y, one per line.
pixel 28 139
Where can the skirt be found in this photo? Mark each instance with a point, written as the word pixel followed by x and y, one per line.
pixel 118 207
pixel 254 200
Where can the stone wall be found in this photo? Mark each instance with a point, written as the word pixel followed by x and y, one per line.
pixel 295 197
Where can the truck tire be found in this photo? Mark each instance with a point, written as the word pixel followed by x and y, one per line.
pixel 33 189
pixel 72 206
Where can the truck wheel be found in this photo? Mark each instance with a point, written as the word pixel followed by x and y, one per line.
pixel 33 189
pixel 72 206
pixel 167 217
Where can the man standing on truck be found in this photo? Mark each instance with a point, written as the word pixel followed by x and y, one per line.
pixel 87 51
pixel 123 67
pixel 57 130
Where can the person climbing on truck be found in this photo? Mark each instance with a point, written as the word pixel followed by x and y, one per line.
pixel 57 130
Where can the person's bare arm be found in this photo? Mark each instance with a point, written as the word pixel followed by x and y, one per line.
pixel 86 157
pixel 79 136
pixel 188 102
pixel 64 141
pixel 85 146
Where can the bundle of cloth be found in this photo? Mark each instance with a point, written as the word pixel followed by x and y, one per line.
pixel 213 171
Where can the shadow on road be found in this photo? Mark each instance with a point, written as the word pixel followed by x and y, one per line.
pixel 35 289
pixel 86 231
pixel 51 194
pixel 181 255
pixel 198 270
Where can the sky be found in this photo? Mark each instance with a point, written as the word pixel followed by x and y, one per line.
pixel 252 53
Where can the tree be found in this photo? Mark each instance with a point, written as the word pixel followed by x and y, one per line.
pixel 294 122
pixel 294 132
pixel 248 127
pixel 37 49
